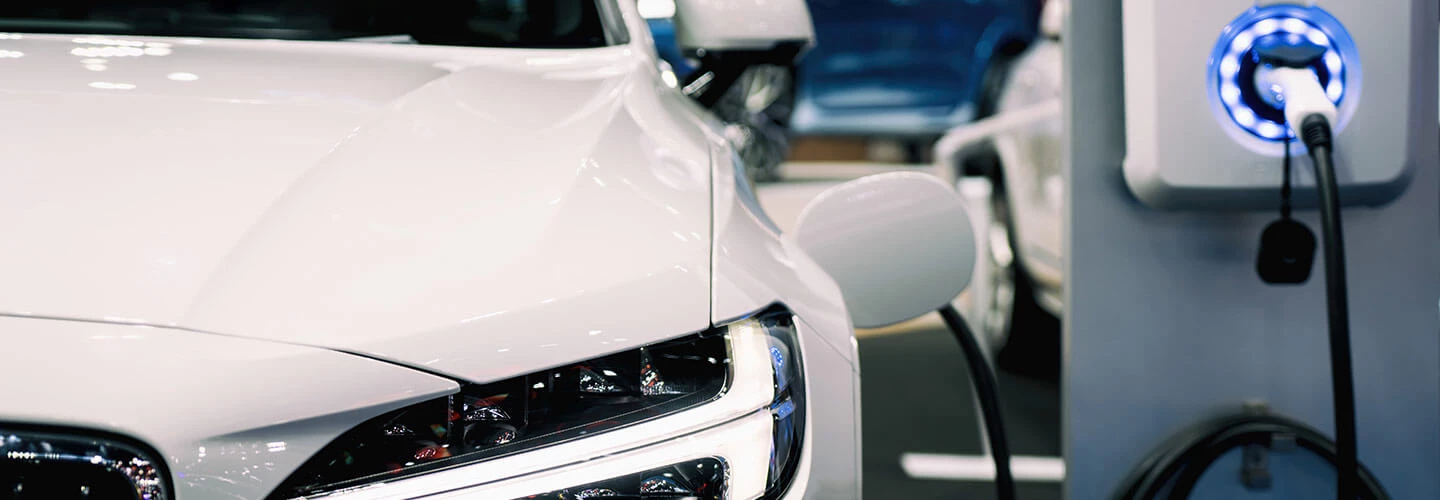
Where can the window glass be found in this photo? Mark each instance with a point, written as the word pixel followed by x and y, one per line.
pixel 491 23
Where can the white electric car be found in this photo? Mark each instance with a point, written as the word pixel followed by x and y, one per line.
pixel 476 249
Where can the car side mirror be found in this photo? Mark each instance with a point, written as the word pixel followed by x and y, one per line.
pixel 900 245
pixel 728 36
pixel 1052 19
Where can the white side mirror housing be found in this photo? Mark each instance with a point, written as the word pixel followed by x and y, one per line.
pixel 741 25
pixel 900 245
pixel 1052 19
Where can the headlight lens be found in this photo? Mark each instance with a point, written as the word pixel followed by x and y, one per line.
pixel 695 480
pixel 484 421
pixel 59 466
pixel 788 407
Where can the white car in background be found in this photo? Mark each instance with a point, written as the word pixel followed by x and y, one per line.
pixel 488 252
pixel 1019 149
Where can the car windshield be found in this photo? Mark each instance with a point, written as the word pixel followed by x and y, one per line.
pixel 489 23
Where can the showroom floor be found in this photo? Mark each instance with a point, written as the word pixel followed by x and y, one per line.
pixel 918 399
pixel 916 392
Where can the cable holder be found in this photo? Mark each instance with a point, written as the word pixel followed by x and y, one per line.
pixel 1287 246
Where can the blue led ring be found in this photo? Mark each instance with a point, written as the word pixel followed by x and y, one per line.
pixel 1230 85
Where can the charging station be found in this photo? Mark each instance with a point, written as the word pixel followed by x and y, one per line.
pixel 1199 131
pixel 1166 321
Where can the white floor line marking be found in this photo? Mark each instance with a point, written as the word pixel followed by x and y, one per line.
pixel 980 468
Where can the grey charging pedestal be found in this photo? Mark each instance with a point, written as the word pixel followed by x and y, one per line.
pixel 1166 322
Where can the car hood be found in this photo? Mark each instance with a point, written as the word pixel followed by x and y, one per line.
pixel 474 212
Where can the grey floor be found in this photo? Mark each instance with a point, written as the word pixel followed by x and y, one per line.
pixel 917 398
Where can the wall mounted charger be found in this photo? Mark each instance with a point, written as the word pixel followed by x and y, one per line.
pixel 1200 133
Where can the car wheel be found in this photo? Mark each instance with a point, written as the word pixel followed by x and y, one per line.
pixel 1028 336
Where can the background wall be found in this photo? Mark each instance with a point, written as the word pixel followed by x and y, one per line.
pixel 1166 321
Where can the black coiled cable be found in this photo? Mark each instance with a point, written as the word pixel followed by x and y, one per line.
pixel 1173 469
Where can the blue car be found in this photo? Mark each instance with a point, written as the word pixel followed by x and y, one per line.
pixel 899 68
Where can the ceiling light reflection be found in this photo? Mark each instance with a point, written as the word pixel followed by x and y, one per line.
pixel 183 77
pixel 112 86
pixel 107 51
pixel 549 60
pixel 96 40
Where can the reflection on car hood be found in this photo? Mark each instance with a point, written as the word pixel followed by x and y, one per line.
pixel 472 211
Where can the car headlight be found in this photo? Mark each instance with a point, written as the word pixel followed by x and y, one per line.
pixel 55 465
pixel 486 421
pixel 702 479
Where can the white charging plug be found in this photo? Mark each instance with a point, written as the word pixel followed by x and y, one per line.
pixel 1297 91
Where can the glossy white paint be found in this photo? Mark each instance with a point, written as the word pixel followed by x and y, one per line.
pixel 381 215
pixel 741 24
pixel 900 244
pixel 251 207
pixel 232 417
pixel 755 265
pixel 832 465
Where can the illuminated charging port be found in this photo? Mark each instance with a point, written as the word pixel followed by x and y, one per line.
pixel 1235 61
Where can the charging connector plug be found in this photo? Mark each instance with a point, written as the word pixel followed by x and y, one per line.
pixel 1287 81
pixel 1297 91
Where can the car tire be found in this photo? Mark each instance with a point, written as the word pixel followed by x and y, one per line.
pixel 992 87
pixel 1026 334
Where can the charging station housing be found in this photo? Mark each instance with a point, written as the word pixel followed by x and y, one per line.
pixel 1188 147
pixel 1166 322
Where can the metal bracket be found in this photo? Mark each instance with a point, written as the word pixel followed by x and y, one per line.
pixel 1255 458
pixel 1255 468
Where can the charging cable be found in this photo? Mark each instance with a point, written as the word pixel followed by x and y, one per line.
pixel 1315 131
pixel 1180 463
pixel 1309 113
pixel 988 392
